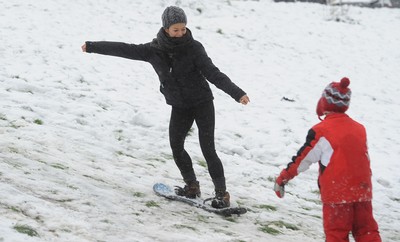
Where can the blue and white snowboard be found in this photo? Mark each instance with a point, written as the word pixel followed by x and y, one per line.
pixel 166 191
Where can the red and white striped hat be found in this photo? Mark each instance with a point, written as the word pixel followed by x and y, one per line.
pixel 335 98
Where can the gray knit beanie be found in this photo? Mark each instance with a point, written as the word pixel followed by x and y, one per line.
pixel 173 15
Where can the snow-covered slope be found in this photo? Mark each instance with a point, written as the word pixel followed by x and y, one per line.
pixel 83 137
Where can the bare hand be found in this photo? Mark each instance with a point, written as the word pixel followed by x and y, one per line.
pixel 244 100
pixel 84 47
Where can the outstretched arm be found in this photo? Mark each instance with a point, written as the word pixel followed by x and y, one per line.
pixel 124 50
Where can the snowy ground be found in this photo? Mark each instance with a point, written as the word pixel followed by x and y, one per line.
pixel 83 137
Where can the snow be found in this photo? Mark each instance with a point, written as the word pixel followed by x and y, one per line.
pixel 84 136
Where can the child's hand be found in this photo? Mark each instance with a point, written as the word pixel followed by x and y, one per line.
pixel 280 182
pixel 244 100
pixel 279 189
pixel 84 47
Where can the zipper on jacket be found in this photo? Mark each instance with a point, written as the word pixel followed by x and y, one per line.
pixel 171 61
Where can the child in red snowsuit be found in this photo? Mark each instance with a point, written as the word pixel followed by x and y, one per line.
pixel 339 145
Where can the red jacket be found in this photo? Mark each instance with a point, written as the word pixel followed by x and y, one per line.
pixel 339 144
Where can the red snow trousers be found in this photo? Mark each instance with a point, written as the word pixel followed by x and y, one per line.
pixel 341 219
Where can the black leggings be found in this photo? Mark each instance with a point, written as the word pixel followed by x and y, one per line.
pixel 179 126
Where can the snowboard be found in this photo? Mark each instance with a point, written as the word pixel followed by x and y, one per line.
pixel 166 191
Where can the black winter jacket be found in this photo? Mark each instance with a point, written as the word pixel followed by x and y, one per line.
pixel 181 68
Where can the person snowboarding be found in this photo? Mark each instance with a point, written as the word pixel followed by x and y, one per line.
pixel 339 145
pixel 183 68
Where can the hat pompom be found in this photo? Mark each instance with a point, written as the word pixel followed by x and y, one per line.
pixel 345 82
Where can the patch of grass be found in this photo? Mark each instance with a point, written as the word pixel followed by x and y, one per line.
pixel 182 226
pixel 151 164
pixel 238 136
pixel 268 207
pixel 316 191
pixel 202 163
pixel 13 150
pixel 271 179
pixel 105 221
pixel 240 203
pixel 167 156
pixel 223 231
pixel 124 154
pixel 272 227
pixel 118 134
pixel 395 199
pixel 150 204
pixel 72 187
pixel 25 229
pixel 38 121
pixel 15 209
pixel 202 218
pixel 59 166
pixel 158 159
pixel 103 106
pixel 95 178
pixel 41 161
pixel 53 192
pixel 139 194
pixel 14 126
pixel 282 224
pixel 66 230
pixel 316 216
pixel 82 80
pixel 65 200
pixel 231 219
pixel 268 230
